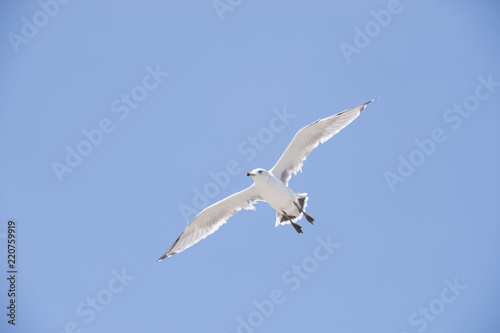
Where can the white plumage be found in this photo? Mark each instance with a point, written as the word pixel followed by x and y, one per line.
pixel 270 186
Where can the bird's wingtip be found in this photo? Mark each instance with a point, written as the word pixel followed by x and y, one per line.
pixel 366 103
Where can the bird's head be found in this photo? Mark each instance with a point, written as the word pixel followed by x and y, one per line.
pixel 258 174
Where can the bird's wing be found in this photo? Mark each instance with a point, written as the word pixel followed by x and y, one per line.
pixel 309 138
pixel 211 218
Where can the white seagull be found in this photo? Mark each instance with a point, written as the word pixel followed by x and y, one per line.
pixel 270 186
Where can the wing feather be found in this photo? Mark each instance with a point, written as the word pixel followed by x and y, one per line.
pixel 310 137
pixel 211 218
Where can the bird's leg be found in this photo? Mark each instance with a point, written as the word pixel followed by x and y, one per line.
pixel 297 227
pixel 308 217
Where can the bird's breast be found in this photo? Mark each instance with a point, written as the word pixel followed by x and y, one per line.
pixel 276 193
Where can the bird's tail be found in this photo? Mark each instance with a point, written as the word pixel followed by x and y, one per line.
pixel 282 219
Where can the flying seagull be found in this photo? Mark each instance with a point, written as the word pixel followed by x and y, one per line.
pixel 270 186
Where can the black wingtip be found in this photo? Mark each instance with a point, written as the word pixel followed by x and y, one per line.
pixel 365 104
pixel 162 257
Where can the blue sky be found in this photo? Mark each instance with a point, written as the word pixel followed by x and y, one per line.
pixel 116 117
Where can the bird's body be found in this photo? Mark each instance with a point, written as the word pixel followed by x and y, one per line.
pixel 270 186
pixel 279 196
pixel 275 192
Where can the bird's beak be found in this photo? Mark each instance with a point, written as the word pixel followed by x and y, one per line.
pixel 250 174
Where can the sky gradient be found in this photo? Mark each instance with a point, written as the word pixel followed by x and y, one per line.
pixel 119 121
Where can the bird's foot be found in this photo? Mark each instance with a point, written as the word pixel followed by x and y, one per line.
pixel 297 227
pixel 308 217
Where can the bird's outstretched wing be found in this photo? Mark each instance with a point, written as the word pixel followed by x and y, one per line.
pixel 211 218
pixel 309 138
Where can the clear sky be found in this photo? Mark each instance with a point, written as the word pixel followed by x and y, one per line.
pixel 120 120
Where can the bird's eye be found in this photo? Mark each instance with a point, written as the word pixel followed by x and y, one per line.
pixel 260 172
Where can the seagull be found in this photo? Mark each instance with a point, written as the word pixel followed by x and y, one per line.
pixel 270 186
